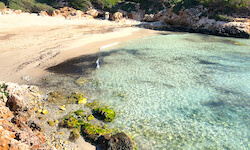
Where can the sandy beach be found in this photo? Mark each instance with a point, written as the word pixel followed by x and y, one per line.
pixel 29 43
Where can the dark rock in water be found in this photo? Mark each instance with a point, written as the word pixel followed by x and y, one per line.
pixel 105 113
pixel 119 141
pixel 93 132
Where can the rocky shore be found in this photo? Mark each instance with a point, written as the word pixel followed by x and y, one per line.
pixel 31 120
pixel 192 20
pixel 196 20
pixel 18 130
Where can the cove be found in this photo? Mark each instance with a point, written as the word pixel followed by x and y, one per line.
pixel 176 91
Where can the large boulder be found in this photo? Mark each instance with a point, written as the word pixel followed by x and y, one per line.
pixel 67 11
pixel 78 13
pixel 43 13
pixel 117 16
pixel 7 11
pixel 18 11
pixel 92 12
pixel 56 13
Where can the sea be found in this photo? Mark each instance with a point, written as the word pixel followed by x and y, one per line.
pixel 182 91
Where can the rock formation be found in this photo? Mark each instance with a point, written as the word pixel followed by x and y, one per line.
pixel 16 104
pixel 92 12
pixel 117 16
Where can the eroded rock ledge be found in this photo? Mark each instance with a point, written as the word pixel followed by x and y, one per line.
pixel 195 20
pixel 17 131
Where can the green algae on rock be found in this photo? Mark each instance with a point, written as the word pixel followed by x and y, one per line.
pixel 74 135
pixel 51 123
pixel 90 117
pixel 105 113
pixel 94 104
pixel 80 113
pixel 92 132
pixel 77 98
pixel 71 122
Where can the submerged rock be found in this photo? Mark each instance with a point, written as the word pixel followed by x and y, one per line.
pixel 55 97
pixel 93 132
pixel 80 113
pixel 77 98
pixel 74 135
pixel 119 141
pixel 90 117
pixel 105 113
pixel 71 122
pixel 94 104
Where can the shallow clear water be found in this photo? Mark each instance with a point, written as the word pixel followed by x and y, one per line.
pixel 178 91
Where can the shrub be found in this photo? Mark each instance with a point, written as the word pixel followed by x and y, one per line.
pixel 80 4
pixel 29 5
pixel 224 18
pixel 2 5
pixel 25 5
pixel 39 7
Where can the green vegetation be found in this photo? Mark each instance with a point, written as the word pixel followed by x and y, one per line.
pixel 77 98
pixel 80 113
pixel 3 93
pixel 90 117
pixel 226 7
pixel 71 122
pixel 219 6
pixel 28 5
pixel 94 104
pixel 90 129
pixel 105 113
pixel 74 135
pixel 2 5
pixel 224 18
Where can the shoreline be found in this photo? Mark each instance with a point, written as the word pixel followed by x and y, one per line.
pixel 36 48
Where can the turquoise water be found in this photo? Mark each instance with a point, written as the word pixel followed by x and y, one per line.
pixel 182 91
pixel 178 91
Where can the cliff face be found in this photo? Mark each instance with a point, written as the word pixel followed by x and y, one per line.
pixel 194 20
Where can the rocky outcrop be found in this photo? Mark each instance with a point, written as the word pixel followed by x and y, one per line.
pixel 8 11
pixel 67 12
pixel 43 13
pixel 92 12
pixel 16 131
pixel 193 19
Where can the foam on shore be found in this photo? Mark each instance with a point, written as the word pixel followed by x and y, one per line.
pixel 109 45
